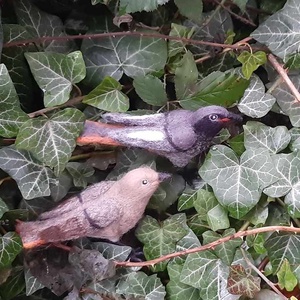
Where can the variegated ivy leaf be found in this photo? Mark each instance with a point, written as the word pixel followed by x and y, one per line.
pixel 159 238
pixel 10 247
pixel 131 6
pixel 229 177
pixel 176 290
pixel 55 74
pixel 108 96
pixel 204 271
pixel 114 56
pixel 32 177
pixel 3 208
pixel 32 284
pixel 295 139
pixel 39 24
pixel 258 135
pixel 139 284
pixel 281 246
pixel 52 140
pixel 288 185
pixel 256 103
pixel 281 31
pixel 113 252
pixel 80 172
pixel 11 114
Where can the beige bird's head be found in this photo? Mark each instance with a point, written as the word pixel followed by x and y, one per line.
pixel 142 182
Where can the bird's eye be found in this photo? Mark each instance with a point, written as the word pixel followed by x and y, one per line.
pixel 213 117
pixel 145 181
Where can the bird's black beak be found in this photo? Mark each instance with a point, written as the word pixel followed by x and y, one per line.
pixel 164 176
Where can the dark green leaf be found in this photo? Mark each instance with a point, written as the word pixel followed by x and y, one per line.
pixel 10 247
pixel 191 9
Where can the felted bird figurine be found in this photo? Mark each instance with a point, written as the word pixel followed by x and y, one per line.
pixel 104 210
pixel 178 135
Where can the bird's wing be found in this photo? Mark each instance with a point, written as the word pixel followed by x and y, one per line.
pixel 133 120
pixel 92 192
pixel 179 131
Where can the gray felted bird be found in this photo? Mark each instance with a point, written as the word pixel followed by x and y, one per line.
pixel 105 210
pixel 178 135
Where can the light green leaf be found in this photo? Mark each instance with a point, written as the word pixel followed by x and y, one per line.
pixel 175 47
pixel 177 290
pixel 55 74
pixel 151 90
pixel 204 271
pixel 204 202
pixel 80 172
pixel 139 284
pixel 274 31
pixel 108 96
pixel 293 62
pixel 40 24
pixel 258 135
pixel 186 75
pixel 255 102
pixel 192 9
pixel 11 115
pixel 288 184
pixel 237 144
pixel 187 198
pixel 52 141
pixel 251 61
pixel 114 56
pixel 10 247
pixel 32 177
pixel 225 251
pixel 159 238
pixel 281 246
pixel 131 6
pixel 217 218
pixel 3 208
pixel 286 279
pixel 229 177
pixel 218 88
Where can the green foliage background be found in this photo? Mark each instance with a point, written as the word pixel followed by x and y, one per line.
pixel 64 62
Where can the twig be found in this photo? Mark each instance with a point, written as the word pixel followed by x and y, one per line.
pixel 267 281
pixel 209 246
pixel 120 34
pixel 70 102
pixel 278 67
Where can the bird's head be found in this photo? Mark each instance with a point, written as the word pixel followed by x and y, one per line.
pixel 210 120
pixel 142 181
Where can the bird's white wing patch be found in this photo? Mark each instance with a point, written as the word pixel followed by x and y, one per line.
pixel 147 135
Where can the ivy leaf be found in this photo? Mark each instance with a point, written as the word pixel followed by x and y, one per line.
pixel 175 47
pixel 258 135
pixel 225 251
pixel 288 184
pixel 11 115
pixel 281 246
pixel 251 61
pixel 192 9
pixel 176 290
pixel 131 6
pixel 80 172
pixel 14 285
pixel 55 74
pixel 108 96
pixel 237 144
pixel 40 24
pixel 151 90
pixel 217 218
pixel 241 282
pixel 139 284
pixel 3 208
pixel 218 88
pixel 159 239
pixel 186 75
pixel 112 56
pixel 286 278
pixel 10 247
pixel 204 271
pixel 32 177
pixel 229 177
pixel 255 102
pixel 293 62
pixel 52 141
pixel 204 202
pixel 112 252
pixel 241 4
pixel 274 31
pixel 32 284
